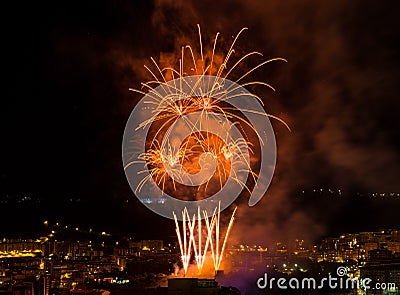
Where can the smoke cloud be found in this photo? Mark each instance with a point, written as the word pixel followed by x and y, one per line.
pixel 72 69
pixel 336 93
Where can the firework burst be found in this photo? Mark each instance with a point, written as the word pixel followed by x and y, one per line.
pixel 196 133
pixel 170 163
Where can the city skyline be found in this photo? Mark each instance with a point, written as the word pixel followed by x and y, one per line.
pixel 56 263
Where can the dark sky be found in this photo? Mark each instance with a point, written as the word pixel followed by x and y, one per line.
pixel 68 66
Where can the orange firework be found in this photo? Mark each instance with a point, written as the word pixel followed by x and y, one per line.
pixel 197 137
pixel 165 164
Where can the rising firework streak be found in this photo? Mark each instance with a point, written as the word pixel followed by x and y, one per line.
pixel 192 241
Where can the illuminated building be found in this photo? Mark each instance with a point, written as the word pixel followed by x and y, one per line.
pixel 154 245
pixel 382 267
pixel 393 246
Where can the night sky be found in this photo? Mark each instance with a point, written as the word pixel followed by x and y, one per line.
pixel 68 66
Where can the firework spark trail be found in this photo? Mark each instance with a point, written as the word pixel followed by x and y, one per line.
pixel 217 251
pixel 188 242
pixel 185 251
pixel 188 226
pixel 166 159
pixel 163 162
